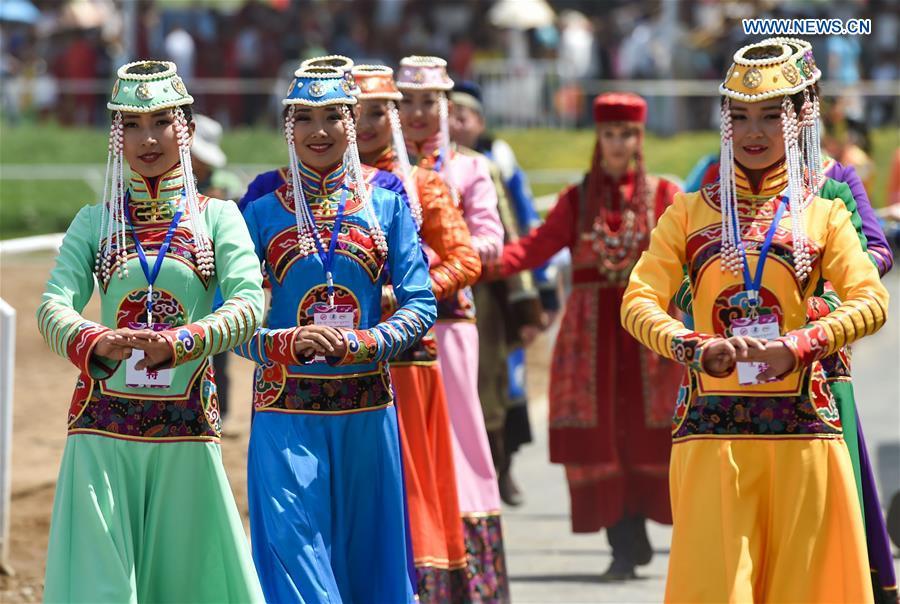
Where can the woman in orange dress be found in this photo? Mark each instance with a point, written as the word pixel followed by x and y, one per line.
pixel 438 547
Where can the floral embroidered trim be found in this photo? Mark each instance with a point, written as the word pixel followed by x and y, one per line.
pixel 80 351
pixel 193 417
pixel 687 349
pixel 812 413
pixel 362 347
pixel 485 579
pixel 187 344
pixel 817 307
pixel 278 393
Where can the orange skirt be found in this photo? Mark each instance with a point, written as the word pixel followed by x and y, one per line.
pixel 434 516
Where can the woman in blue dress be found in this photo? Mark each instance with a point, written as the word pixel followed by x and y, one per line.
pixel 325 481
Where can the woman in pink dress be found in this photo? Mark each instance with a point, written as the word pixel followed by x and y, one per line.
pixel 424 112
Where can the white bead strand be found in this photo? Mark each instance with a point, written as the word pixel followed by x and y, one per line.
pixel 731 227
pixel 305 229
pixel 353 166
pixel 796 186
pixel 203 250
pixel 412 192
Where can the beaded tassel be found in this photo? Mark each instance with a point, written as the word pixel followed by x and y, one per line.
pixel 444 113
pixel 444 146
pixel 731 228
pixel 305 229
pixel 412 191
pixel 204 254
pixel 353 165
pixel 794 160
pixel 811 140
pixel 111 253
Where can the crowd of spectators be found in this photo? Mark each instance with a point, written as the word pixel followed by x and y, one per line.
pixel 235 51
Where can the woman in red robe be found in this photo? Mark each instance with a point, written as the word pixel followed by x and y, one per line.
pixel 611 401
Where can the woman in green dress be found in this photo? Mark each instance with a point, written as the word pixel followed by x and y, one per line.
pixel 143 510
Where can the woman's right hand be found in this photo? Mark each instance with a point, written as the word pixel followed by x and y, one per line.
pixel 114 346
pixel 720 355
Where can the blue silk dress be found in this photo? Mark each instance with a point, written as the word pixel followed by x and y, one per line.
pixel 325 480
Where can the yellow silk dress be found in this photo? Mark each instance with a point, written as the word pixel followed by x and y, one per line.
pixel 763 497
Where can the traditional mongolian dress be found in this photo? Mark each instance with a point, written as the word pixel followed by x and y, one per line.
pixel 325 481
pixel 610 399
pixel 843 183
pixel 761 479
pixel 458 344
pixel 468 176
pixel 143 511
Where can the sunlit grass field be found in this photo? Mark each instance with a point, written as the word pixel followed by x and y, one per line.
pixel 46 206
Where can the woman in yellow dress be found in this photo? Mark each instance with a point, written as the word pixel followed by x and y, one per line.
pixel 762 488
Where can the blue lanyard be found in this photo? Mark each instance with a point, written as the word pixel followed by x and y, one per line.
pixel 152 274
pixel 328 258
pixel 751 286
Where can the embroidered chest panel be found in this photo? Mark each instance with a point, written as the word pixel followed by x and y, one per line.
pixel 182 249
pixel 721 294
pixel 166 308
pixel 355 241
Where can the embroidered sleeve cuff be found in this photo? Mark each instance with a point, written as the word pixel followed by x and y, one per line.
pixel 187 344
pixel 816 308
pixel 361 347
pixel 807 343
pixel 280 347
pixel 81 352
pixel 688 348
pixel 793 349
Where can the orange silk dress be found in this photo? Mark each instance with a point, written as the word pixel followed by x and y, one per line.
pixel 437 538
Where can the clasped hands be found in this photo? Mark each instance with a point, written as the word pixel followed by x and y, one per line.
pixel 319 340
pixel 721 354
pixel 118 344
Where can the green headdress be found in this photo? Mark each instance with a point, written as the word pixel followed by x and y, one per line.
pixel 148 86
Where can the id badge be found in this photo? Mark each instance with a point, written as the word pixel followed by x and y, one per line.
pixel 146 378
pixel 337 316
pixel 764 327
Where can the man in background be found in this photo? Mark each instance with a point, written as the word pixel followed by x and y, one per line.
pixel 213 180
pixel 468 128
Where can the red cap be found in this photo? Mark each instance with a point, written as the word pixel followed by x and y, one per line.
pixel 620 107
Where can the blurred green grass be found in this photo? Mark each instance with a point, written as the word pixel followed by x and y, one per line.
pixel 46 206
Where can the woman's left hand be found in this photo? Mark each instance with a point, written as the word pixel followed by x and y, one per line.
pixel 778 358
pixel 156 347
